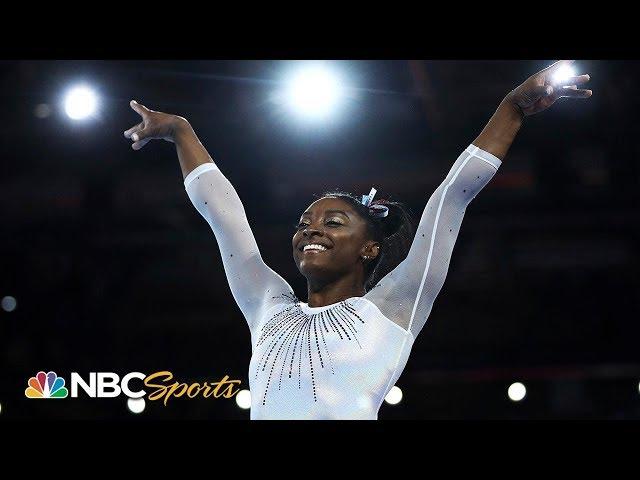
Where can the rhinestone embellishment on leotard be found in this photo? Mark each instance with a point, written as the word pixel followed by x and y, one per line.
pixel 292 334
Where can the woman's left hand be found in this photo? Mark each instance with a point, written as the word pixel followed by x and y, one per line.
pixel 541 90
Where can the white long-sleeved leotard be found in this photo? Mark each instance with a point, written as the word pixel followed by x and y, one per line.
pixel 337 361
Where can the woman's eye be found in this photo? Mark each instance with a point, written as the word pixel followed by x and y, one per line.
pixel 304 225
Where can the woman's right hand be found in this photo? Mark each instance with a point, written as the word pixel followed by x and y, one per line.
pixel 154 125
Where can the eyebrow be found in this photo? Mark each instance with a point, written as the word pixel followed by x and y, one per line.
pixel 330 211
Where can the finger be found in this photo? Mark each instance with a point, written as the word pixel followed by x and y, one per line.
pixel 145 133
pixel 140 144
pixel 141 138
pixel 578 80
pixel 140 109
pixel 128 133
pixel 575 92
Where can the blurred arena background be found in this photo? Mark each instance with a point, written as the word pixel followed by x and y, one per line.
pixel 106 266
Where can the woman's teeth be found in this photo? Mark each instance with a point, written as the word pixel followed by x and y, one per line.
pixel 314 246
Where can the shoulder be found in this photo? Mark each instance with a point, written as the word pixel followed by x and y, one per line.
pixel 275 306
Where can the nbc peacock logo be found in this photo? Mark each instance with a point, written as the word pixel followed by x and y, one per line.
pixel 46 385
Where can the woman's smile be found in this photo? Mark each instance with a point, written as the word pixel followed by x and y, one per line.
pixel 313 251
pixel 314 248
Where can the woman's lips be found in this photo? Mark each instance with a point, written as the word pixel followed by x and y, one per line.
pixel 314 251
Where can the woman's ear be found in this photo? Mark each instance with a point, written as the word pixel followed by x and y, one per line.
pixel 371 250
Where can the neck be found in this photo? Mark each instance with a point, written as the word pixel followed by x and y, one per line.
pixel 321 294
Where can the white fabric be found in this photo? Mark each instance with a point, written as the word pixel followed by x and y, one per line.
pixel 337 361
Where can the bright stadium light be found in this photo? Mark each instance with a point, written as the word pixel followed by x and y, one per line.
pixel 9 303
pixel 564 73
pixel 42 110
pixel 394 396
pixel 243 399
pixel 314 91
pixel 80 102
pixel 136 405
pixel 517 391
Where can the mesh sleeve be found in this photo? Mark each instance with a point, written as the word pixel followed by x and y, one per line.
pixel 255 287
pixel 406 294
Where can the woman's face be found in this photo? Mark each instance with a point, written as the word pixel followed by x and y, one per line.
pixel 333 224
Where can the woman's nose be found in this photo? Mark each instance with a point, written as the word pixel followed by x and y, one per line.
pixel 307 232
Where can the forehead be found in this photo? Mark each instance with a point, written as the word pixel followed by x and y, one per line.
pixel 328 203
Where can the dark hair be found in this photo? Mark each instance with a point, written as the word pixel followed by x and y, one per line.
pixel 394 232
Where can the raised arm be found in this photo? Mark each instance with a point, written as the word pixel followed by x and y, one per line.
pixel 254 285
pixel 407 293
pixel 534 95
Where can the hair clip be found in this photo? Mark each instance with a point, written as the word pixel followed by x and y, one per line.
pixel 367 199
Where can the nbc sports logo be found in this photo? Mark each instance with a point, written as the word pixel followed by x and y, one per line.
pixel 110 385
pixel 46 385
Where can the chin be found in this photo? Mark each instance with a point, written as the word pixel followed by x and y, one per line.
pixel 311 267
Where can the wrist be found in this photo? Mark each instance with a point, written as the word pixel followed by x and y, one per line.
pixel 512 107
pixel 181 129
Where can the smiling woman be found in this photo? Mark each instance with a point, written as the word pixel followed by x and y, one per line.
pixel 372 278
pixel 382 230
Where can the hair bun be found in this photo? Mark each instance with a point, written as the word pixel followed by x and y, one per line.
pixel 378 210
